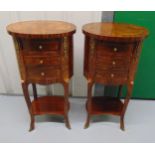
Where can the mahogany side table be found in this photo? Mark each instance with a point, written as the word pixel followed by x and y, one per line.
pixel 111 57
pixel 44 52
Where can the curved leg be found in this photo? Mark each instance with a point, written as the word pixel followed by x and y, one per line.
pixel 67 121
pixel 119 91
pixel 88 117
pixel 126 101
pixel 34 91
pixel 87 121
pixel 122 123
pixel 68 106
pixel 28 101
pixel 118 96
pixel 88 105
pixel 66 95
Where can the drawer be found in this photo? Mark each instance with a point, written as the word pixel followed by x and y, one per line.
pixel 41 59
pixel 113 77
pixel 45 73
pixel 109 63
pixel 111 49
pixel 41 44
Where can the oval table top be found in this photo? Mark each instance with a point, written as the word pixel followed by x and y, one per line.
pixel 41 28
pixel 118 31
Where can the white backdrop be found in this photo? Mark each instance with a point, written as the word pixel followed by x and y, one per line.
pixel 9 74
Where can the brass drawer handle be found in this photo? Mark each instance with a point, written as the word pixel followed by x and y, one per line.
pixel 42 74
pixel 112 75
pixel 115 49
pixel 131 82
pixel 41 61
pixel 114 63
pixel 40 47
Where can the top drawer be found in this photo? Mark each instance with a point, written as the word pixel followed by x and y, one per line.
pixel 110 49
pixel 41 44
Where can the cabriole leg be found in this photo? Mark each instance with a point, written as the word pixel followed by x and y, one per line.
pixel 28 101
pixel 126 101
pixel 119 91
pixel 34 91
pixel 66 95
pixel 88 105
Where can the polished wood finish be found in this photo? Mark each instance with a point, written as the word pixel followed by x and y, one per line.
pixel 41 44
pixel 41 29
pixel 111 57
pixel 41 105
pixel 116 31
pixel 44 52
pixel 106 105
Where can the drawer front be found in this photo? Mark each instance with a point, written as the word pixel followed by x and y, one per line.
pixel 110 49
pixel 41 44
pixel 113 77
pixel 43 74
pixel 112 62
pixel 108 63
pixel 41 59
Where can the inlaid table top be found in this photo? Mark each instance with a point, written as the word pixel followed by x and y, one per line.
pixel 41 28
pixel 115 30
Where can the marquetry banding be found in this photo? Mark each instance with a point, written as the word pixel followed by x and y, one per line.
pixel 92 45
pixel 65 45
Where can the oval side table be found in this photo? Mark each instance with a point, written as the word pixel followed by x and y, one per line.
pixel 111 57
pixel 44 52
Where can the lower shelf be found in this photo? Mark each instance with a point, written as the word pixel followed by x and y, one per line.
pixel 48 105
pixel 106 105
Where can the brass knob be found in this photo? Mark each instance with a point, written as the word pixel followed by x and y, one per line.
pixel 115 49
pixel 40 47
pixel 131 82
pixel 22 81
pixel 112 75
pixel 41 61
pixel 42 74
pixel 113 62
